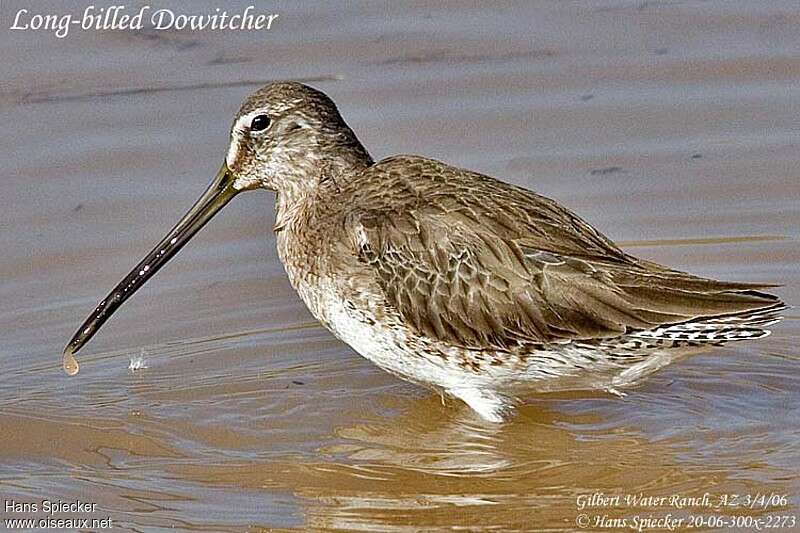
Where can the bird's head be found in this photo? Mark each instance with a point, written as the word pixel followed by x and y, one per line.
pixel 284 138
pixel 284 135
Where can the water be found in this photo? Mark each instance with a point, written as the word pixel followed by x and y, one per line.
pixel 671 126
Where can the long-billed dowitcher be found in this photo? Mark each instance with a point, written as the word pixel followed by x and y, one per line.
pixel 447 277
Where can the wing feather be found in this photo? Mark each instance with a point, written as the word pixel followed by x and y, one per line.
pixel 475 262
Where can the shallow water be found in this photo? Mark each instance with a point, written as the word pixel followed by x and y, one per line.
pixel 671 126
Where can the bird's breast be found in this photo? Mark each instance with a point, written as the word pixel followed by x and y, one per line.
pixel 319 270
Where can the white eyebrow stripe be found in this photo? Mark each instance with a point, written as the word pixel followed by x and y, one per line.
pixel 243 122
pixel 239 127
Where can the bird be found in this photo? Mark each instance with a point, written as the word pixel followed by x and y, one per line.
pixel 478 289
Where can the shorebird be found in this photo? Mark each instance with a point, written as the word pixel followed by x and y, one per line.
pixel 448 278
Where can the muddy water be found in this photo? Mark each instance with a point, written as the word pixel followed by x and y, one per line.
pixel 672 126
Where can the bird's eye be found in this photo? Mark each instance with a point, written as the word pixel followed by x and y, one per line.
pixel 259 123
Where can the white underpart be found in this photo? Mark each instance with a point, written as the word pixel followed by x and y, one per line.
pixel 549 371
pixel 387 348
pixel 382 345
pixel 563 366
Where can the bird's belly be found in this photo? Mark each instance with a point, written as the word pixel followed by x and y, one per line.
pixel 383 338
pixel 388 343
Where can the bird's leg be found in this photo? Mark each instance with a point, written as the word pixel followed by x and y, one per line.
pixel 490 405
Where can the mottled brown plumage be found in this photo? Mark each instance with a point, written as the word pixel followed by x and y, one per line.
pixel 451 278
pixel 474 261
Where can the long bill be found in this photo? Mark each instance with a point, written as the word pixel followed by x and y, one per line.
pixel 218 194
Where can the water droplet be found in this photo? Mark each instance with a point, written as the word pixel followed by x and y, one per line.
pixel 137 363
pixel 70 365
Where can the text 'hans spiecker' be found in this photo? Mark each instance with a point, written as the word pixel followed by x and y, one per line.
pixel 117 18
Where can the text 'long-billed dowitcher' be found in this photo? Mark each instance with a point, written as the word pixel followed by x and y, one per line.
pixel 447 277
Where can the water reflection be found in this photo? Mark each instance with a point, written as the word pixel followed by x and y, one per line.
pixel 431 468
pixel 428 439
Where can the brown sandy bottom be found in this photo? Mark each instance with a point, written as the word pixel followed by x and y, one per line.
pixel 671 126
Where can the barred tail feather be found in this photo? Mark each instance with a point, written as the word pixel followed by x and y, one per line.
pixel 744 325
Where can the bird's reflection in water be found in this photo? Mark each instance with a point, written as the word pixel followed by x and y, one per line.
pixel 434 469
pixel 428 440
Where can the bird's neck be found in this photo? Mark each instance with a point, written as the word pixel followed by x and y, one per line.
pixel 322 179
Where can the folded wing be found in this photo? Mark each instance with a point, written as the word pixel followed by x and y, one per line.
pixel 497 266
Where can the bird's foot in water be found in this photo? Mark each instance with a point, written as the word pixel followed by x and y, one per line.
pixel 488 404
